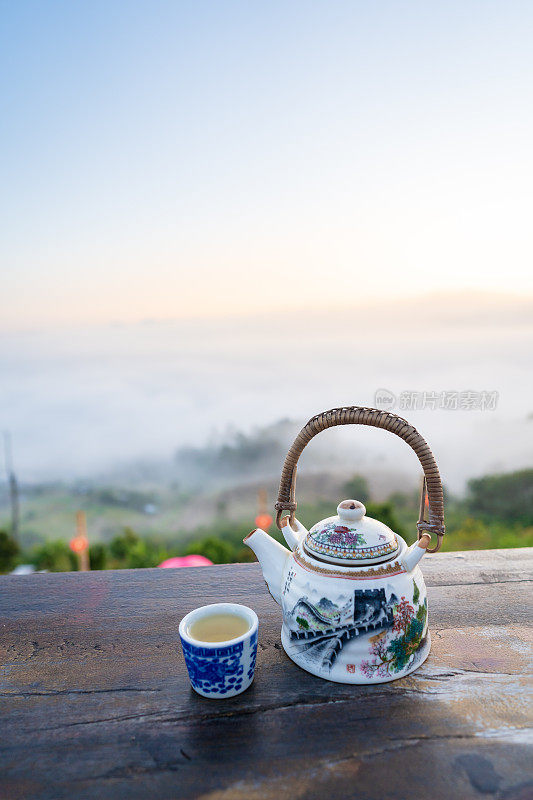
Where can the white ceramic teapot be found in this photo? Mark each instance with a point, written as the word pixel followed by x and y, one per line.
pixel 353 597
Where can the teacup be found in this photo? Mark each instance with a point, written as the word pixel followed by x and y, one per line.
pixel 221 668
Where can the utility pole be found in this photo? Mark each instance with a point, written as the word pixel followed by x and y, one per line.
pixel 13 487
pixel 263 519
pixel 80 543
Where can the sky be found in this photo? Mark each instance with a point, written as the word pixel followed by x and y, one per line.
pixel 167 160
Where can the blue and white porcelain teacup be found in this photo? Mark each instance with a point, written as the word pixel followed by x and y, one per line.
pixel 225 668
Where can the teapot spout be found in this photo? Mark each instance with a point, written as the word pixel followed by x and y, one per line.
pixel 272 557
pixel 414 553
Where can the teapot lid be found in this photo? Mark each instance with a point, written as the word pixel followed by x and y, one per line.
pixel 351 537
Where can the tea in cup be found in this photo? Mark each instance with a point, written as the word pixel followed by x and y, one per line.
pixel 219 643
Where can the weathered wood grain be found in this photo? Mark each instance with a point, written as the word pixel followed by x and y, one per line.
pixel 95 700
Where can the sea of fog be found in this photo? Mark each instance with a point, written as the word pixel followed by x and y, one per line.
pixel 79 402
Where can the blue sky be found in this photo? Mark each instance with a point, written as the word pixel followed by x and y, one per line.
pixel 166 160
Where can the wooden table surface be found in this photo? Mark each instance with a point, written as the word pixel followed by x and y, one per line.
pixel 95 700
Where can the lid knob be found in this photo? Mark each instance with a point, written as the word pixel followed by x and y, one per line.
pixel 351 510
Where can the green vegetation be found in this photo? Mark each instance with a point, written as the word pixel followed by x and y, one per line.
pixel 55 556
pixel 357 489
pixel 496 512
pixel 9 550
pixel 505 498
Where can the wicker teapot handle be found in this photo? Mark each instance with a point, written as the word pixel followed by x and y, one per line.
pixel 356 415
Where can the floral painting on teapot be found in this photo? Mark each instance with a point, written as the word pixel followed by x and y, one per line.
pixel 341 541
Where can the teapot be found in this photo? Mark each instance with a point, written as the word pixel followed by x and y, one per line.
pixel 353 597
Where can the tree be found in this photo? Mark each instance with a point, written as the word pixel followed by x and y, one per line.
pixel 506 497
pixel 132 552
pixel 218 551
pixel 55 556
pixel 9 551
pixel 357 489
pixel 97 556
pixel 120 546
pixel 384 512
